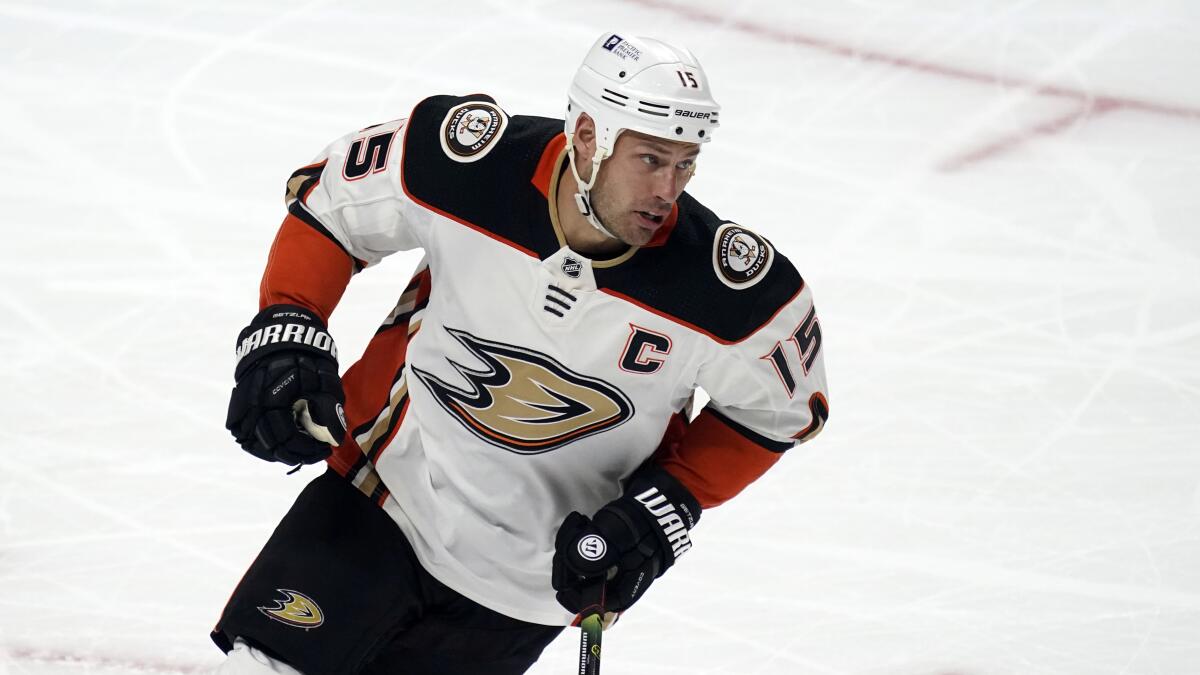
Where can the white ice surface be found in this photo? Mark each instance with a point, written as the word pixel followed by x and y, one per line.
pixel 1010 479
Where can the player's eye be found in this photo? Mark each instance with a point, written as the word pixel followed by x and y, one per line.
pixel 686 165
pixel 650 160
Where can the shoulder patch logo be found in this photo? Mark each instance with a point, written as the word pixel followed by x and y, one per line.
pixel 296 609
pixel 741 258
pixel 524 401
pixel 471 129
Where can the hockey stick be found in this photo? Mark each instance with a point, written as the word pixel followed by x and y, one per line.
pixel 592 625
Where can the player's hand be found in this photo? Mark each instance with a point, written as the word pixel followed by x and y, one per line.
pixel 629 543
pixel 287 404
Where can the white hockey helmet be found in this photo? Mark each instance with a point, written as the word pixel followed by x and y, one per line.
pixel 639 84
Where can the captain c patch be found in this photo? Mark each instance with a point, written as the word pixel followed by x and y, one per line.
pixel 471 129
pixel 741 258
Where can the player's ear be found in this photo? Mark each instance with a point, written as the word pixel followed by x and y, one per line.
pixel 585 138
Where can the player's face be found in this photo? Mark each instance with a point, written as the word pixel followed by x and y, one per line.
pixel 640 182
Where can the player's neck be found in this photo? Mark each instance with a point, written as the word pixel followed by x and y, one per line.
pixel 579 233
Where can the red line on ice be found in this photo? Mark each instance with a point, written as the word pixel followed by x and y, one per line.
pixel 1092 104
pixel 1006 143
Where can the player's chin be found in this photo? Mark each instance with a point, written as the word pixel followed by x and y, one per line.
pixel 635 236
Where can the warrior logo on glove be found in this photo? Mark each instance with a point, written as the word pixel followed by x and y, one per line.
pixel 672 524
pixel 287 403
pixel 592 547
pixel 308 335
pixel 627 544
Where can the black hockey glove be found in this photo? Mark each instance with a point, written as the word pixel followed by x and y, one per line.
pixel 629 543
pixel 287 404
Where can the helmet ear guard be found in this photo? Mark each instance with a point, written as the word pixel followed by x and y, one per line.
pixel 639 84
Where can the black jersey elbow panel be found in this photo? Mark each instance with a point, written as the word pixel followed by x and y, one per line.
pixel 750 434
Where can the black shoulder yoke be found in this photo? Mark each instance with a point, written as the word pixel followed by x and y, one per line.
pixel 464 157
pixel 488 186
pixel 682 278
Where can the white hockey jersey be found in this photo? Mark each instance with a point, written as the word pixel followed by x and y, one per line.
pixel 517 380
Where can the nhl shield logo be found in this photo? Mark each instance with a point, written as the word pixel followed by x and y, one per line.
pixel 471 130
pixel 741 258
pixel 572 267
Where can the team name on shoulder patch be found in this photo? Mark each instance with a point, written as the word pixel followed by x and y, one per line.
pixel 471 129
pixel 741 258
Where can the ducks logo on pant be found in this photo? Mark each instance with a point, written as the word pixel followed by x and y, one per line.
pixel 296 609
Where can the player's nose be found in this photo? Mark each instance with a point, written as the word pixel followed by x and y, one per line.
pixel 669 183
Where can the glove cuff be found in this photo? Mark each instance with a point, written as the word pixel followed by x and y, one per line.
pixel 283 327
pixel 667 507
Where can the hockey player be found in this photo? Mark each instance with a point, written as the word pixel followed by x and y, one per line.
pixel 517 429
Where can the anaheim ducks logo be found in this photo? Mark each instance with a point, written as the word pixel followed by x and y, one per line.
pixel 470 130
pixel 524 401
pixel 741 257
pixel 296 609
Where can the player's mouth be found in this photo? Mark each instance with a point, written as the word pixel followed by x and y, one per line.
pixel 649 220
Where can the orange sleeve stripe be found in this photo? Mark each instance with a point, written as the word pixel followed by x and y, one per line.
pixel 305 268
pixel 368 382
pixel 715 462
pixel 343 457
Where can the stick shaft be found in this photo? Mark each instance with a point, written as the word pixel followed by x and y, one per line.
pixel 592 625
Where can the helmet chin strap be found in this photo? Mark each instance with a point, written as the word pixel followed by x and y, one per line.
pixel 583 198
